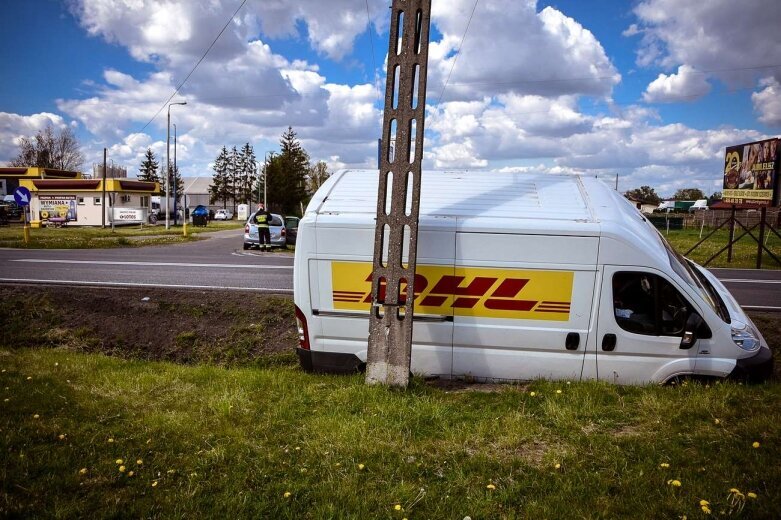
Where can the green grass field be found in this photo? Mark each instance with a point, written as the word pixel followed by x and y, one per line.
pixel 203 441
pixel 88 237
pixel 744 253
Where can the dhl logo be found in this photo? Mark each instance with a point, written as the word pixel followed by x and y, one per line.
pixel 464 291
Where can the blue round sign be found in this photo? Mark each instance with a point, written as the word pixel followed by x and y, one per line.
pixel 22 196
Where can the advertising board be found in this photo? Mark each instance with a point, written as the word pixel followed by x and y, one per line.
pixel 57 207
pixel 128 216
pixel 750 172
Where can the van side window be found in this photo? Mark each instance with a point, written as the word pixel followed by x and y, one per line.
pixel 645 303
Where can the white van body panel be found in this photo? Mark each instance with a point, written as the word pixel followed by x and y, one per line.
pixel 510 267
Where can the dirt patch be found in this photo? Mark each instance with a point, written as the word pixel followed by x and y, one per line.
pixel 152 324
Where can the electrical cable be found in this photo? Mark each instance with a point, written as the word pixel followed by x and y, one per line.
pixel 455 58
pixel 196 65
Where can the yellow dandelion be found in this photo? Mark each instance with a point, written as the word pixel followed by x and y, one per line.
pixel 755 444
pixel 705 509
pixel 287 494
pixel 397 507
pixel 361 467
pixel 674 482
pixel 139 462
pixel 717 421
pixel 29 378
pixel 298 448
pixel 734 490
pixel 704 503
pixel 490 486
pixel 664 465
pixel 558 391
pixel 61 436
pixel 154 483
pixel 532 394
pixel 557 466
pixel 36 416
pixel 122 469
pixel 110 440
pixel 130 473
pixel 339 465
pixel 83 471
pixel 119 461
pixel 751 494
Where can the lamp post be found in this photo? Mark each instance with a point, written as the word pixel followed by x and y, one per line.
pixel 168 166
pixel 176 183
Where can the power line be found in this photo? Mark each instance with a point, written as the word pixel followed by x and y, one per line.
pixel 458 52
pixel 371 42
pixel 196 65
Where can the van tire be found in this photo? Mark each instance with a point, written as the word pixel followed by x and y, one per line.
pixel 246 246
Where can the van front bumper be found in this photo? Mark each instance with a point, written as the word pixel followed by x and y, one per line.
pixel 757 368
pixel 329 362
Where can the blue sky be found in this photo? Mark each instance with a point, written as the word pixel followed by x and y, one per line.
pixel 652 91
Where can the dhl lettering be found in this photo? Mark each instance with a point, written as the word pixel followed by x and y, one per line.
pixel 463 291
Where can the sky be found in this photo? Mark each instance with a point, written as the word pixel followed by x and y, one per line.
pixel 650 91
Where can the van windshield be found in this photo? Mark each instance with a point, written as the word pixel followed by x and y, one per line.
pixel 695 280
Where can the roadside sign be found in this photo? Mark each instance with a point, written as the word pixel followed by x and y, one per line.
pixel 22 196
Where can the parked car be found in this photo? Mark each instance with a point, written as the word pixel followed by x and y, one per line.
pixel 223 214
pixel 291 226
pixel 276 229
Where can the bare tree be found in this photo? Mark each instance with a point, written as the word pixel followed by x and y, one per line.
pixel 50 149
pixel 318 174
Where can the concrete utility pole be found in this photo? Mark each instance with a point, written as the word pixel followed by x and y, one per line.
pixel 168 166
pixel 390 322
pixel 103 197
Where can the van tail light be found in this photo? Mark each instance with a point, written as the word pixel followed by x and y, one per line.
pixel 246 228
pixel 303 330
pixel 282 233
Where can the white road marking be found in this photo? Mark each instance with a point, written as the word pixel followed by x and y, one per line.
pixel 140 284
pixel 760 308
pixel 744 280
pixel 159 264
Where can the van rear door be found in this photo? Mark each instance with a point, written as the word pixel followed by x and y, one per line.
pixel 642 316
pixel 522 305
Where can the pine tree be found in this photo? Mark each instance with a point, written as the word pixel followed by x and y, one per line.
pixel 234 174
pixel 287 174
pixel 175 183
pixel 148 168
pixel 219 190
pixel 249 172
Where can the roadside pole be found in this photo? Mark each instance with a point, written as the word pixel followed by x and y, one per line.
pixel 103 199
pixel 390 320
pixel 26 228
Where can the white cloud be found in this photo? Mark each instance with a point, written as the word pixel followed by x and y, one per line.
pixel 554 50
pixel 14 126
pixel 685 85
pixel 767 102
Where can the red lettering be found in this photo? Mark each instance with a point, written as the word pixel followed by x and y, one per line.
pixel 501 300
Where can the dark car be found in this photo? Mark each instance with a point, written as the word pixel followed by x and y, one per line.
pixel 291 225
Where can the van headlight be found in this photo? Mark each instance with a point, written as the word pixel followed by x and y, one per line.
pixel 744 336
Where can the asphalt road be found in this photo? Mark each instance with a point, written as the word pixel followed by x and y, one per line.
pixel 220 263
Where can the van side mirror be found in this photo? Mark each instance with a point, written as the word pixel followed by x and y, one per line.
pixel 693 327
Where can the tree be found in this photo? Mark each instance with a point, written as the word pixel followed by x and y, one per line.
pixel 643 194
pixel 234 172
pixel 287 174
pixel 175 183
pixel 50 149
pixel 689 194
pixel 317 176
pixel 220 190
pixel 148 168
pixel 248 172
pixel 713 199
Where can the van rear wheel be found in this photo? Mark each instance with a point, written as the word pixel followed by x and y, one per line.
pixel 246 246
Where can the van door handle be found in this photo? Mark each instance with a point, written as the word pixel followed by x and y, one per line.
pixel 609 342
pixel 573 341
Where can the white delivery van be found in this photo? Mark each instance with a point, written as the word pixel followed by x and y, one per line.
pixel 520 276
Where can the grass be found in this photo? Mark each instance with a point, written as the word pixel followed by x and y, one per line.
pixel 89 237
pixel 218 442
pixel 744 253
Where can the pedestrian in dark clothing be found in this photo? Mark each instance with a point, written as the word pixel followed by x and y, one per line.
pixel 262 220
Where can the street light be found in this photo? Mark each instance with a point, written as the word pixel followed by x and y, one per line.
pixel 168 165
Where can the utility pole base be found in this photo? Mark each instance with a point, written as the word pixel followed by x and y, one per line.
pixel 381 373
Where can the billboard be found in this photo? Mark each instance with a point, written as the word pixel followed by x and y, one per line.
pixel 750 172
pixel 58 206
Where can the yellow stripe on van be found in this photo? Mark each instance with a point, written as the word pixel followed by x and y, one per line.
pixel 465 291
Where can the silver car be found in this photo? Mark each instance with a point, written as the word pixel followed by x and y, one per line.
pixel 276 229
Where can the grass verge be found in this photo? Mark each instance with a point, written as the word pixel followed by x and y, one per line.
pixel 744 254
pixel 94 238
pixel 278 443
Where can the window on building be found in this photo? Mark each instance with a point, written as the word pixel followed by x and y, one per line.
pixel 648 304
pixel 81 201
pixel 97 201
pixel 144 201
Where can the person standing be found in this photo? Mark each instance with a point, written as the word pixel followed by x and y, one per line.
pixel 262 220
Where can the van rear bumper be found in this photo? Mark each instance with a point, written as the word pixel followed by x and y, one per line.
pixel 328 362
pixel 756 368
